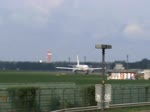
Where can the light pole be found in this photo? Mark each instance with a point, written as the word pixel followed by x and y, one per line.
pixel 103 47
pixel 127 61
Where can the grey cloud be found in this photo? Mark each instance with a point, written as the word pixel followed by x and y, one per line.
pixel 69 27
pixel 30 12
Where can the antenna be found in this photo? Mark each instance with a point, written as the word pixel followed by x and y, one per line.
pixel 69 59
pixel 84 59
pixel 127 60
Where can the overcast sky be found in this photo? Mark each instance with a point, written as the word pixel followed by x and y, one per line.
pixel 30 28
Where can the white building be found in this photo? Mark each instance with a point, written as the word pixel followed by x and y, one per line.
pixel 119 67
pixel 122 75
pixel 146 74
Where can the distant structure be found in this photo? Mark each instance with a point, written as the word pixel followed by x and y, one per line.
pixel 119 66
pixel 49 57
pixel 69 59
pixel 119 72
pixel 146 74
pixel 122 74
pixel 127 61
pixel 84 59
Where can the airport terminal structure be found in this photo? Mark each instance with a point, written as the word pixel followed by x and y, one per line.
pixel 120 73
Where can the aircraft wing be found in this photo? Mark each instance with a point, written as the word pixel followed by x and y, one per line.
pixel 95 68
pixel 92 69
pixel 66 68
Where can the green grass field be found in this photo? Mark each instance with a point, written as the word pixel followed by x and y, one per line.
pixel 32 77
pixel 79 79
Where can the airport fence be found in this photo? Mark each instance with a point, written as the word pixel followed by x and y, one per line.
pixel 130 94
pixel 48 99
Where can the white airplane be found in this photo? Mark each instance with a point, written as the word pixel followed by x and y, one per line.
pixel 78 67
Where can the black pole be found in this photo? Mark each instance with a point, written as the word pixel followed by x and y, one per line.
pixel 103 47
pixel 103 79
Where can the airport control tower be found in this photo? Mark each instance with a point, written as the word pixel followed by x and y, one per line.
pixel 49 57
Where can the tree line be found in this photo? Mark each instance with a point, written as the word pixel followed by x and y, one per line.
pixel 5 65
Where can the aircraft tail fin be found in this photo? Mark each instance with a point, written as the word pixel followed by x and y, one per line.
pixel 78 63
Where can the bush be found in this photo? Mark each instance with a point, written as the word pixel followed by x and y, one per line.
pixel 90 95
pixel 23 99
pixel 55 103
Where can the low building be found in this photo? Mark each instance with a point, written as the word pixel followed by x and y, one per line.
pixel 146 74
pixel 119 67
pixel 122 74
